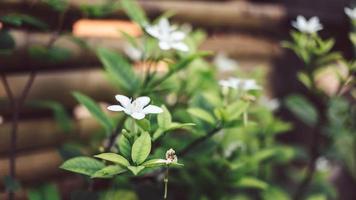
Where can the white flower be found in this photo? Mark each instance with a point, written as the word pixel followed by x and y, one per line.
pixel 224 63
pixel 171 157
pixel 310 26
pixel 323 164
pixel 137 108
pixel 271 104
pixel 351 13
pixel 132 52
pixel 168 36
pixel 240 84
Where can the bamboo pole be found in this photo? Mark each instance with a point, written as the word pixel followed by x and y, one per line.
pixel 241 46
pixel 34 134
pixel 241 14
pixel 34 165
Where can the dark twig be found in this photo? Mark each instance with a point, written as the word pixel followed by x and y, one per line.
pixel 198 141
pixel 16 107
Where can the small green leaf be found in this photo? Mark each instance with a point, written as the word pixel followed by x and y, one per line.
pixel 144 124
pixel 7 42
pixel 115 158
pixel 155 163
pixel 302 109
pixel 95 110
pixel 141 148
pixel 235 110
pixel 51 55
pixel 20 19
pixel 136 169
pixel 176 125
pixel 251 182
pixel 135 12
pixel 57 5
pixel 120 68
pixel 124 146
pixel 109 172
pixel 164 119
pixel 82 165
pixel 202 114
pixel 304 78
pixel 59 111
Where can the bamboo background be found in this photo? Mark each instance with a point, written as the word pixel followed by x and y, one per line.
pixel 249 31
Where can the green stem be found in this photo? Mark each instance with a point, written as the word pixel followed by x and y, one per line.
pixel 166 184
pixel 245 118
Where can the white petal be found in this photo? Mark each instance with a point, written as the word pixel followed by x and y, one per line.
pixel 152 109
pixel 138 115
pixel 178 35
pixel 153 31
pixel 124 100
pixel 180 46
pixel 164 24
pixel 143 101
pixel 164 45
pixel 115 108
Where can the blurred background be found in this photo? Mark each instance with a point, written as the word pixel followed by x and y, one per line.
pixel 54 49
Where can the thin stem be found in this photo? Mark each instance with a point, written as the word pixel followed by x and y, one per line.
pixel 16 107
pixel 166 184
pixel 245 118
pixel 198 141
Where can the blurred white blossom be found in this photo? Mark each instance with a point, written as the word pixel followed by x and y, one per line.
pixel 323 164
pixel 137 108
pixel 240 84
pixel 351 13
pixel 224 63
pixel 169 37
pixel 271 104
pixel 132 52
pixel 310 26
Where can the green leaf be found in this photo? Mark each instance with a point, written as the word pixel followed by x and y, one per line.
pixel 82 165
pixel 155 163
pixel 51 55
pixel 20 19
pixel 302 109
pixel 95 111
pixel 57 5
pixel 115 158
pixel 134 11
pixel 176 125
pixel 47 191
pixel 11 184
pixel 235 110
pixel 304 78
pixel 202 114
pixel 120 68
pixel 109 172
pixel 141 148
pixel 7 42
pixel 136 169
pixel 164 119
pixel 251 182
pixel 60 113
pixel 144 124
pixel 124 146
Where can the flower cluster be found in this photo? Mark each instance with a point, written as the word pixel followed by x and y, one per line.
pixel 240 84
pixel 310 26
pixel 168 36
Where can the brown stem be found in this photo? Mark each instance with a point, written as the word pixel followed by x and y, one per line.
pixel 16 107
